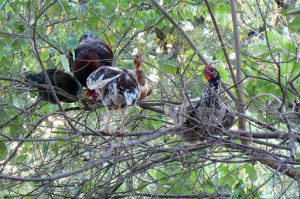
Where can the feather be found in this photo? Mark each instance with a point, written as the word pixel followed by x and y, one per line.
pixel 91 54
pixel 207 113
pixel 58 78
pixel 117 88
pixel 102 76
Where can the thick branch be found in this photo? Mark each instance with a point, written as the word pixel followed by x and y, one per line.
pixel 241 103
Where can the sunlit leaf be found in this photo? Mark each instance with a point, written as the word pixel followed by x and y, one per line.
pixel 251 171
pixel 65 63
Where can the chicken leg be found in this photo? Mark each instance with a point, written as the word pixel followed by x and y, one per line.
pixel 122 125
pixel 106 125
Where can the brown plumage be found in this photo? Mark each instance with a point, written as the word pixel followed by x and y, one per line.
pixel 145 88
pixel 207 113
pixel 91 54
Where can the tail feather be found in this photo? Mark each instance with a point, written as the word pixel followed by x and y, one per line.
pixel 131 96
pixel 35 78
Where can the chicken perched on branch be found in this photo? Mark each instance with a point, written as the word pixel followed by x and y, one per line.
pixel 59 79
pixel 207 113
pixel 91 54
pixel 119 88
pixel 146 89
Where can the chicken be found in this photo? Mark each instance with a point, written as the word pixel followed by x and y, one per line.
pixel 117 88
pixel 207 113
pixel 58 78
pixel 91 54
pixel 146 90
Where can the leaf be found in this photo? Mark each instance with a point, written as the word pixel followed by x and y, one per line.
pixel 65 63
pixel 223 73
pixel 44 54
pixel 184 15
pixel 251 172
pixel 294 25
pixel 16 127
pixel 3 150
pixel 72 42
pixel 169 69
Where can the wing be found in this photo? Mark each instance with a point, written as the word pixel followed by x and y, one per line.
pixel 102 76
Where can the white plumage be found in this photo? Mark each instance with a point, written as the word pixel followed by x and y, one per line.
pixel 117 88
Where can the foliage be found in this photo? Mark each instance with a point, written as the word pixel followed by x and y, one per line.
pixel 41 154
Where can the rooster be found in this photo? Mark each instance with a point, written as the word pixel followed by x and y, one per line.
pixel 119 88
pixel 58 78
pixel 207 113
pixel 91 54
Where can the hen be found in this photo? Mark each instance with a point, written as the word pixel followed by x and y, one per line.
pixel 119 88
pixel 91 54
pixel 58 78
pixel 207 113
pixel 146 89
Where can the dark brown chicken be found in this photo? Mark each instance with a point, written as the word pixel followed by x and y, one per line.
pixel 91 54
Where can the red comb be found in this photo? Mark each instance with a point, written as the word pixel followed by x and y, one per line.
pixel 209 65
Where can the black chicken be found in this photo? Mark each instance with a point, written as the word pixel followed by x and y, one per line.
pixel 58 78
pixel 91 54
pixel 207 113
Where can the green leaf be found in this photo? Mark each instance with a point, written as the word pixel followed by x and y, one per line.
pixel 72 42
pixel 3 151
pixel 184 15
pixel 223 73
pixel 16 127
pixel 44 55
pixel 251 172
pixel 169 69
pixel 65 63
pixel 20 158
pixel 294 25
